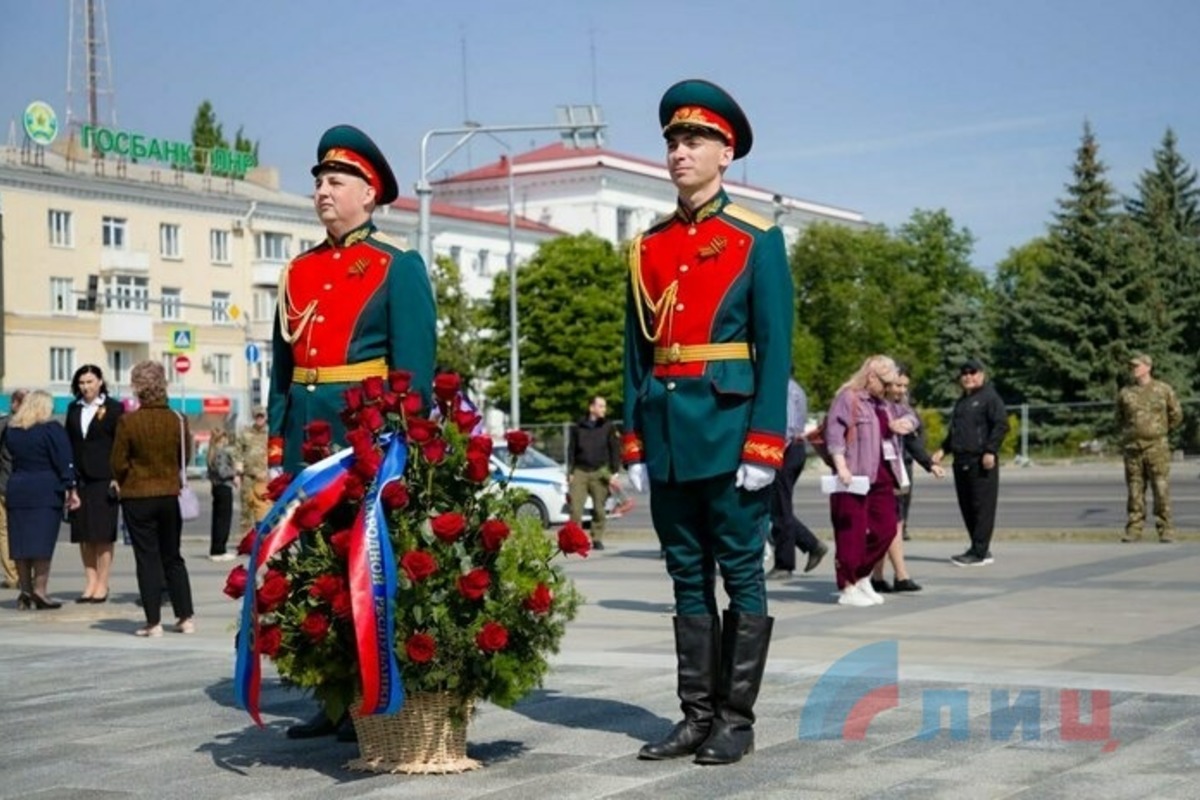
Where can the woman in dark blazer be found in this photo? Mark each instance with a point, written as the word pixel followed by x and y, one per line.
pixel 150 446
pixel 91 426
pixel 42 482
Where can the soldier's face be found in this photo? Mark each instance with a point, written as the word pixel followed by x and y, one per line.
pixel 343 201
pixel 696 160
pixel 259 420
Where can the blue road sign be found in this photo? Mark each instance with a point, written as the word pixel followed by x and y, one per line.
pixel 252 353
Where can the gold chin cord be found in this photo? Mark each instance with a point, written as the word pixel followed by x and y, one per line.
pixel 662 310
pixel 292 323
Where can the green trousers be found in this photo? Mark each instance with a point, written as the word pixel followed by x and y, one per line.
pixel 591 483
pixel 706 524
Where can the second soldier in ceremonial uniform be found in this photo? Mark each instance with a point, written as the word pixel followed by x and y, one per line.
pixel 1146 412
pixel 355 306
pixel 707 356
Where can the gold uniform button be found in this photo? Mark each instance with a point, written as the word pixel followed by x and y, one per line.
pixel 679 306
pixel 692 231
pixel 336 256
pixel 683 268
pixel 670 386
pixel 312 351
pixel 311 387
pixel 328 286
pixel 320 318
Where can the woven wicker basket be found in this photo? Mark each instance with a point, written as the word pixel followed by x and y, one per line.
pixel 426 737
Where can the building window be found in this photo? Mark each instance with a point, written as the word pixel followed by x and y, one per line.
pixel 624 224
pixel 62 364
pixel 169 241
pixel 62 230
pixel 119 364
pixel 272 246
pixel 220 307
pixel 481 263
pixel 127 293
pixel 456 255
pixel 172 303
pixel 62 295
pixel 222 366
pixel 264 305
pixel 168 362
pixel 114 233
pixel 218 246
pixel 306 245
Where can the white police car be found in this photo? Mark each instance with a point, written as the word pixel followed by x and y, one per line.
pixel 542 477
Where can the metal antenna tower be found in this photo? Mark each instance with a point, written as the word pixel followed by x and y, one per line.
pixel 89 68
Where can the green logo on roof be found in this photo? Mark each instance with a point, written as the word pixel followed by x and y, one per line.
pixel 41 123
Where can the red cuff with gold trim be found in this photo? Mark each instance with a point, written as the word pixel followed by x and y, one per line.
pixel 763 448
pixel 275 451
pixel 631 449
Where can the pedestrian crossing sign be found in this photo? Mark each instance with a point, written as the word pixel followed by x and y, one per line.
pixel 183 340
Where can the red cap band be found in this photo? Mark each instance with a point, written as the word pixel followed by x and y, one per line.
pixel 340 155
pixel 700 117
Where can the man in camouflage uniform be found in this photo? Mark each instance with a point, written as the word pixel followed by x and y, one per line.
pixel 250 461
pixel 1146 413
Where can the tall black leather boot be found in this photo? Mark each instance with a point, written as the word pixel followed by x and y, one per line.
pixel 743 659
pixel 697 654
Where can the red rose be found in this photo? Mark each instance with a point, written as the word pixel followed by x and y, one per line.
pixel 342 608
pixel 446 386
pixel 278 486
pixel 418 565
pixel 269 640
pixel 326 587
pixel 367 464
pixel 315 626
pixel 518 442
pixel 466 420
pixel 340 544
pixel 413 404
pixel 400 380
pixel 309 514
pixel 360 441
pixel 435 451
pixel 492 637
pixel 539 601
pixel 311 453
pixel 478 467
pixel 371 418
pixel 493 532
pixel 474 584
pixel 349 418
pixel 235 584
pixel 353 490
pixel 392 403
pixel 449 526
pixel 274 591
pixel 394 495
pixel 372 388
pixel 247 543
pixel 421 431
pixel 480 445
pixel 354 398
pixel 319 433
pixel 421 648
pixel 574 539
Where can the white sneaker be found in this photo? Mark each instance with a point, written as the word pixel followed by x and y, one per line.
pixel 852 596
pixel 223 557
pixel 864 586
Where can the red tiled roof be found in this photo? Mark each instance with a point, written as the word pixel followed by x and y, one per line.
pixel 439 209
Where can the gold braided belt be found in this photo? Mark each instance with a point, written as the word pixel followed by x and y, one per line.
pixel 685 353
pixel 341 373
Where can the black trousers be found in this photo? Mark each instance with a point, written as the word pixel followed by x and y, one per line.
pixel 978 489
pixel 788 532
pixel 155 528
pixel 222 518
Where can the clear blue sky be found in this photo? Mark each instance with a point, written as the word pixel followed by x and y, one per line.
pixel 881 106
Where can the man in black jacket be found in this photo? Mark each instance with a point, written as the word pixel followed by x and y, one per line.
pixel 977 428
pixel 593 460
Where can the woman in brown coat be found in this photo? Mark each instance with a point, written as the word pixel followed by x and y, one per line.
pixel 150 445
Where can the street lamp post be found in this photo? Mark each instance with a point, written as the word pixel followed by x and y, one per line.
pixel 425 205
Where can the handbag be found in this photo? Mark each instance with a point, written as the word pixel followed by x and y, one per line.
pixel 189 503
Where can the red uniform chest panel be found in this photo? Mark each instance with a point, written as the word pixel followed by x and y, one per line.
pixel 704 261
pixel 339 284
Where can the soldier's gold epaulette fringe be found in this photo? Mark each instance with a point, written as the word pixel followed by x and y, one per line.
pixel 398 242
pixel 747 216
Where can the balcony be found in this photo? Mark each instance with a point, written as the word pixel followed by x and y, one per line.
pixel 126 326
pixel 127 261
pixel 266 273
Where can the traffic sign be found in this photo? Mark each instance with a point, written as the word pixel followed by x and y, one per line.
pixel 252 353
pixel 182 364
pixel 182 340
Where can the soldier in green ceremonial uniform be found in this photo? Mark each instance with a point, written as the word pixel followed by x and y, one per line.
pixel 357 305
pixel 1146 413
pixel 707 357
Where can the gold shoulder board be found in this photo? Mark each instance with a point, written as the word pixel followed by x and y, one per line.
pixel 749 217
pixel 390 241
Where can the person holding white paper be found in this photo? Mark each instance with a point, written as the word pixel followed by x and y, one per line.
pixel 863 432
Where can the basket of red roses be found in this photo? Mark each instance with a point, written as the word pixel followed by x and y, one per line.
pixel 395 579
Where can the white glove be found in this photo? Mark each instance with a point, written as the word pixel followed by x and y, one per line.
pixel 637 477
pixel 753 478
pixel 274 472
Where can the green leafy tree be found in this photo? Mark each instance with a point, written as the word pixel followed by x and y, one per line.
pixel 207 134
pixel 1018 281
pixel 242 144
pixel 457 324
pixel 571 317
pixel 962 333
